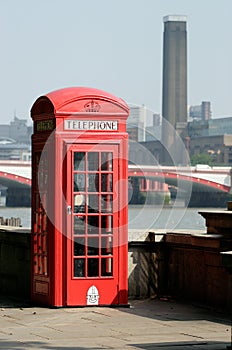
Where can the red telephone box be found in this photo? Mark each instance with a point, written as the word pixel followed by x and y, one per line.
pixel 79 198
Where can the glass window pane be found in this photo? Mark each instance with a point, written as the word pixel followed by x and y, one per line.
pixel 36 171
pixel 37 201
pixel 106 161
pixel 93 161
pixel 79 161
pixel 45 265
pixel 43 204
pixel 39 243
pixel 42 172
pixel 106 182
pixel 79 267
pixel 93 267
pixel 93 182
pixel 93 224
pixel 106 246
pixel 93 203
pixel 79 246
pixel 44 243
pixel 79 182
pixel 93 246
pixel 79 203
pixel 79 225
pixel 107 267
pixel 106 224
pixel 106 203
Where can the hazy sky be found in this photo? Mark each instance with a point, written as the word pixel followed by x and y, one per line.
pixel 113 45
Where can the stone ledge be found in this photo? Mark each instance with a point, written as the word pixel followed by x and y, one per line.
pixel 218 222
pixel 4 228
pixel 194 238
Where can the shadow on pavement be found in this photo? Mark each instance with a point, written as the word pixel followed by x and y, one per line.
pixel 14 345
pixel 176 311
pixel 193 345
pixel 11 302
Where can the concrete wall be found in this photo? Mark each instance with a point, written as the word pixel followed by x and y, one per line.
pixel 143 273
pixel 185 266
pixel 195 270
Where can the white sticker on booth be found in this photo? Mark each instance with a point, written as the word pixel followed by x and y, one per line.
pixel 92 296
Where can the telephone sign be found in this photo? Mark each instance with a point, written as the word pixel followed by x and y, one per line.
pixel 91 125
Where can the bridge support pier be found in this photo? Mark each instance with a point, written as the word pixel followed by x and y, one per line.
pixel 18 197
pixel 209 199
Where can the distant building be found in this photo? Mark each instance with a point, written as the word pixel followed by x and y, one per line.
pixel 153 133
pixel 213 137
pixel 15 140
pixel 17 130
pixel 198 128
pixel 156 119
pixel 11 150
pixel 139 118
pixel 202 112
pixel 211 127
pixel 145 153
pixel 206 113
pixel 220 126
pixel 219 147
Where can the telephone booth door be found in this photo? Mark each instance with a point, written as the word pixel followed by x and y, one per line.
pixel 92 225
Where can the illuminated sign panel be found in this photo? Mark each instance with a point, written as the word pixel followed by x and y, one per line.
pixel 44 125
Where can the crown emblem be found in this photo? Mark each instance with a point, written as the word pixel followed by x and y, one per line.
pixel 92 106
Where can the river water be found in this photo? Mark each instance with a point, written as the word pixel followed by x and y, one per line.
pixel 140 217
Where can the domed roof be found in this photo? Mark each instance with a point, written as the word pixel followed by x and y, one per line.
pixel 67 100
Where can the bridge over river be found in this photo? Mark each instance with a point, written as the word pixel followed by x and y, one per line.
pixel 204 184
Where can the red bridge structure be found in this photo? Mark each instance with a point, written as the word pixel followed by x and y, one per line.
pixel 15 176
pixel 204 185
pixel 198 186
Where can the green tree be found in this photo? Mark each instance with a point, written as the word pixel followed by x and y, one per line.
pixel 201 158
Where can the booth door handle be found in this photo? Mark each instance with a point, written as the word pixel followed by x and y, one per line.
pixel 69 210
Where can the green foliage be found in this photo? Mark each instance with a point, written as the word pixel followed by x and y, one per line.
pixel 201 158
pixel 157 198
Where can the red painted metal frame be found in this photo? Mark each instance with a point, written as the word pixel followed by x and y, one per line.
pixel 50 112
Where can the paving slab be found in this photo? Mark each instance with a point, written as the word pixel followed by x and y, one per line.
pixel 147 324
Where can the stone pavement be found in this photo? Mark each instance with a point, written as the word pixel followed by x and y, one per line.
pixel 147 324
